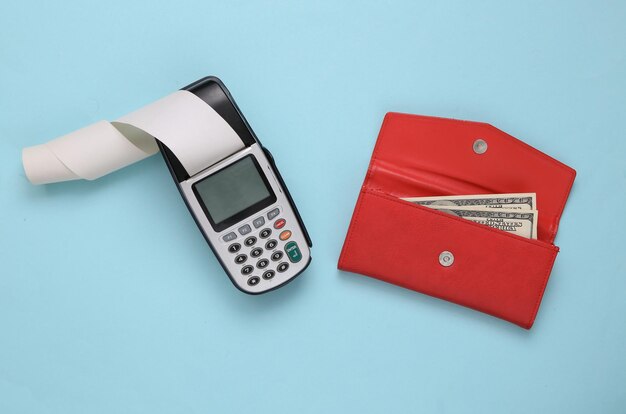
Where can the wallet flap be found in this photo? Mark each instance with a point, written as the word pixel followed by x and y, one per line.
pixel 427 156
pixel 491 271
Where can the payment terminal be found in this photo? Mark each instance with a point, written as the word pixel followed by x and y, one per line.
pixel 242 206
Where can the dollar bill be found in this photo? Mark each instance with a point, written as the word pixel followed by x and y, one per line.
pixel 520 222
pixel 513 201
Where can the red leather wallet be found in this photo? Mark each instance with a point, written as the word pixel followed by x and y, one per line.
pixel 399 242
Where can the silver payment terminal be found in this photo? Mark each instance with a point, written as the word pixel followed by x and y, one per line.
pixel 242 206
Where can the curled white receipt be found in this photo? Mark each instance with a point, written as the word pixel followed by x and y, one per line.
pixel 189 127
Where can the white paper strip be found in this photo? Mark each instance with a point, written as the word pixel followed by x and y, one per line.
pixel 189 127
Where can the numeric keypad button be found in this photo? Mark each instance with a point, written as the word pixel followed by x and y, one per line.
pixel 277 255
pixel 250 241
pixel 234 248
pixel 253 281
pixel 265 233
pixel 262 264
pixel 256 252
pixel 268 274
pixel 241 258
pixel 283 267
pixel 246 270
pixel 271 244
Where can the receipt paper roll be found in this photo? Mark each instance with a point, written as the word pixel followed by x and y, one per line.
pixel 189 127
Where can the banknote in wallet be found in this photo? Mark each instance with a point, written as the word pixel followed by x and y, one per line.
pixel 514 213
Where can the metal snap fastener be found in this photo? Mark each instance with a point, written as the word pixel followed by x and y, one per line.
pixel 446 258
pixel 480 146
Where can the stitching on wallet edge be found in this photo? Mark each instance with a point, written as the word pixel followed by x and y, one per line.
pixel 565 196
pixel 542 289
pixel 353 224
pixel 360 199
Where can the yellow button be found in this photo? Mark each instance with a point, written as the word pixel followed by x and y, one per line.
pixel 285 235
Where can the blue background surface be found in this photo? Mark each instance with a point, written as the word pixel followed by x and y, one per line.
pixel 110 300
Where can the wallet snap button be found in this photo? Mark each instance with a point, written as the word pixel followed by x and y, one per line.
pixel 480 146
pixel 446 258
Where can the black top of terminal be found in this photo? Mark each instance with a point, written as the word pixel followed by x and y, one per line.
pixel 212 91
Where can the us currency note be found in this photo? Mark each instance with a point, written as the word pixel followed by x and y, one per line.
pixel 512 201
pixel 520 222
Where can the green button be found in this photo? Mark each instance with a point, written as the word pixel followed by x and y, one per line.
pixel 293 252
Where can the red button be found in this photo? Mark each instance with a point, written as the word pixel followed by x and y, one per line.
pixel 280 223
